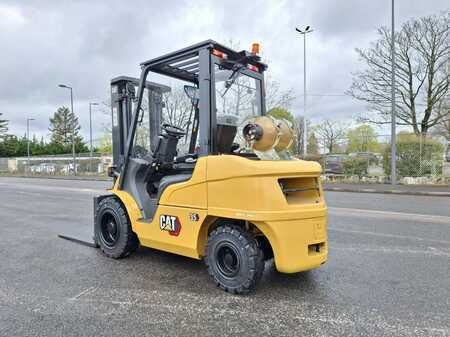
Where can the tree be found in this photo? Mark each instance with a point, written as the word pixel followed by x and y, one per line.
pixel 313 144
pixel 9 146
pixel 416 156
pixel 37 147
pixel 281 113
pixel 356 166
pixel 65 128
pixel 331 133
pixel 106 143
pixel 177 107
pixel 276 97
pixel 298 131
pixel 422 52
pixel 443 128
pixel 362 139
pixel 3 125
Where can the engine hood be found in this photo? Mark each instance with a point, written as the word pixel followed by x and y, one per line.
pixel 230 166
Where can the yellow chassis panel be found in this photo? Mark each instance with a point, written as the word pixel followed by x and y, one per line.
pixel 237 188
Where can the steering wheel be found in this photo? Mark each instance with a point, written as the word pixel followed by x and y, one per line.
pixel 173 130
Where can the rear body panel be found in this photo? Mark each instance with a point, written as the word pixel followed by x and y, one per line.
pixel 282 199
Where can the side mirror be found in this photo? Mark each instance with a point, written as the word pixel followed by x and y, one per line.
pixel 191 92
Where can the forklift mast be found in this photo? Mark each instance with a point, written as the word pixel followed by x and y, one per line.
pixel 123 97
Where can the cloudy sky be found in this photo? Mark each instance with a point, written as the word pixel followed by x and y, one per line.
pixel 86 43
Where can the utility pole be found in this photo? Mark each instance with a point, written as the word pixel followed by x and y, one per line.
pixel 73 131
pixel 28 143
pixel 393 121
pixel 305 133
pixel 90 134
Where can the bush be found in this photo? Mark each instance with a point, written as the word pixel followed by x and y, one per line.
pixel 356 166
pixel 413 158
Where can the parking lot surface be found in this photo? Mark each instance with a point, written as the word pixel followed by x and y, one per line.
pixel 388 274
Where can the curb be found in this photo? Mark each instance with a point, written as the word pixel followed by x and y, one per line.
pixel 60 177
pixel 398 192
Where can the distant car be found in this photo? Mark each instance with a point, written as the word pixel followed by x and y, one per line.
pixel 48 168
pixel 373 158
pixel 334 163
pixel 68 168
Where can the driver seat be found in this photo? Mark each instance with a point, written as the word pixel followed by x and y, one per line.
pixel 166 148
pixel 148 177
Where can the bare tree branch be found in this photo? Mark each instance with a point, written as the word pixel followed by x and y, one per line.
pixel 332 133
pixel 422 62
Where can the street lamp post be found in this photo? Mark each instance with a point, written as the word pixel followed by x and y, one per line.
pixel 393 122
pixel 73 131
pixel 305 135
pixel 28 143
pixel 90 134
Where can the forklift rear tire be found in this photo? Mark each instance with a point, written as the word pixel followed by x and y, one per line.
pixel 234 259
pixel 113 231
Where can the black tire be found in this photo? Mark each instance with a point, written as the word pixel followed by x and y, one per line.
pixel 234 259
pixel 113 231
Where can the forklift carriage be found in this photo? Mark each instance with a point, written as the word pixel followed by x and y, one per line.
pixel 222 186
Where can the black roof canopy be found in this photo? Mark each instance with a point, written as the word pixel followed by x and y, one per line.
pixel 184 63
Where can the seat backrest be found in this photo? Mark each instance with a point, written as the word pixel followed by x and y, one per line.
pixel 166 148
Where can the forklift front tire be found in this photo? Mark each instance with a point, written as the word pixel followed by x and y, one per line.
pixel 113 231
pixel 234 259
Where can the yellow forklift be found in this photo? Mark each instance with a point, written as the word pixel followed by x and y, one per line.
pixel 223 188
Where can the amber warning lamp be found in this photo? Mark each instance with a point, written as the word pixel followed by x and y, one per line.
pixel 218 53
pixel 255 48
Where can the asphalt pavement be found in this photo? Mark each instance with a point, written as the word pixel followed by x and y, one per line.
pixel 388 274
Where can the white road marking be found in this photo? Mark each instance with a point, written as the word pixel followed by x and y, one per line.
pixel 390 214
pixel 394 250
pixel 84 292
pixel 440 251
pixel 386 235
pixel 17 188
pixel 29 193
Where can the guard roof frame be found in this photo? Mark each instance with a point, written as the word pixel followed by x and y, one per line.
pixel 183 64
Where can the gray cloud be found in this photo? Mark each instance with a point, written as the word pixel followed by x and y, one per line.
pixel 86 43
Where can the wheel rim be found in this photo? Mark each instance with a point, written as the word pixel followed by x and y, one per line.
pixel 227 260
pixel 109 230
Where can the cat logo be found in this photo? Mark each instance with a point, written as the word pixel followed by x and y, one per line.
pixel 170 223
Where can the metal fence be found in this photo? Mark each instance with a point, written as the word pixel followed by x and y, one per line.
pixel 57 164
pixel 419 159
